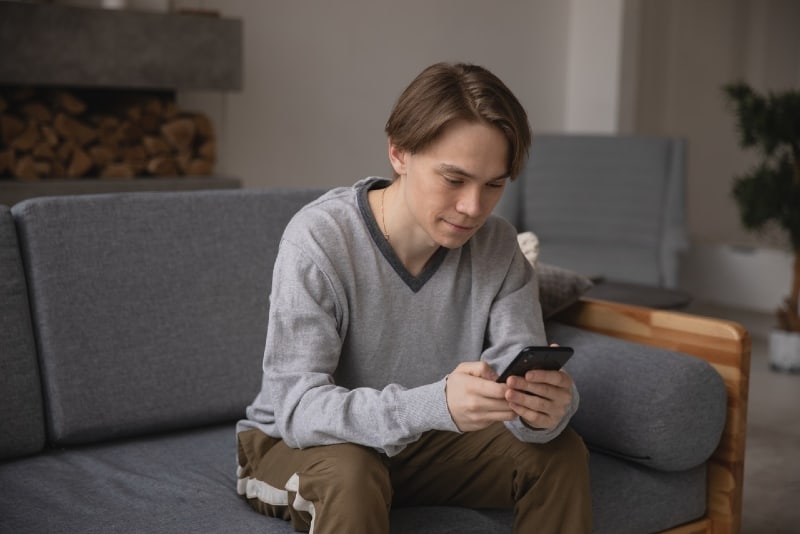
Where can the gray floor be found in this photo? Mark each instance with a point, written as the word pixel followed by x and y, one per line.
pixel 772 457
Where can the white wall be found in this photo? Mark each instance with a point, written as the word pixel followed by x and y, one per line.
pixel 594 66
pixel 321 77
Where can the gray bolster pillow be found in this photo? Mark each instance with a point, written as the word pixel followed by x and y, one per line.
pixel 653 406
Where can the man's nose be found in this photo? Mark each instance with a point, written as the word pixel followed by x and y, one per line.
pixel 470 202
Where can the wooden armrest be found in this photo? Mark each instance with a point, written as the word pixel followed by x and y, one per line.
pixel 726 346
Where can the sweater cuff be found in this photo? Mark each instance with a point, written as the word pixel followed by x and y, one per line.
pixel 424 408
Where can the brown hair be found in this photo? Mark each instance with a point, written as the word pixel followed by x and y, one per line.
pixel 445 92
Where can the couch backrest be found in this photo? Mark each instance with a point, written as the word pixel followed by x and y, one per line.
pixel 604 205
pixel 150 308
pixel 21 415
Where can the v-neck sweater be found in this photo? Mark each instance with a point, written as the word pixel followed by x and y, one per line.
pixel 358 349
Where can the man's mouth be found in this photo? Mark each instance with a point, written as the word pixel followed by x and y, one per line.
pixel 461 227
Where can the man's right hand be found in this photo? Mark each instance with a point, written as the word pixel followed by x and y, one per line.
pixel 474 399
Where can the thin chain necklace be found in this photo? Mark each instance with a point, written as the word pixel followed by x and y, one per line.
pixel 383 214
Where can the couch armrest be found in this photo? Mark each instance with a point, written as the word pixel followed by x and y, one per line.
pixel 726 346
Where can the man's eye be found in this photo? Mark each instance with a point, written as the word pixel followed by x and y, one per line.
pixel 453 181
pixel 496 185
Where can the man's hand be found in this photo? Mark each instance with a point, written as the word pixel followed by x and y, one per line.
pixel 541 398
pixel 474 399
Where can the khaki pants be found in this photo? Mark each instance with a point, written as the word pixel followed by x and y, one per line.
pixel 350 488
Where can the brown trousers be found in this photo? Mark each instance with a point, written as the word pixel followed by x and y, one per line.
pixel 350 488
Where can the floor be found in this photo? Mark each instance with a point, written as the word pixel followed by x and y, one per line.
pixel 772 454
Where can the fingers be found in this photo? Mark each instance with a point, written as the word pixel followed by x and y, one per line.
pixel 480 369
pixel 541 398
pixel 474 399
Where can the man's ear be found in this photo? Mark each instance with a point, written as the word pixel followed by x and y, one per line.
pixel 397 157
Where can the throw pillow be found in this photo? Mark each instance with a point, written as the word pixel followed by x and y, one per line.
pixel 558 287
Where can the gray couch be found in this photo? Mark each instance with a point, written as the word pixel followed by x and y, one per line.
pixel 131 334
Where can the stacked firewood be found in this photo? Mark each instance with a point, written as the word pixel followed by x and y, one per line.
pixel 56 134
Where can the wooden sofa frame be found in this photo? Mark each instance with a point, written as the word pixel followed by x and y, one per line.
pixel 726 346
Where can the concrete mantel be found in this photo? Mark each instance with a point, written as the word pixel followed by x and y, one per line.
pixel 53 45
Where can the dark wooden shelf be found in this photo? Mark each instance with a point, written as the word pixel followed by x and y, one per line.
pixel 66 46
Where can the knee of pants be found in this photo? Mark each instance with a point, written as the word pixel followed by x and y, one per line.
pixel 567 453
pixel 349 472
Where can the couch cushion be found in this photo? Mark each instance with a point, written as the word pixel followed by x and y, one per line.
pixel 151 308
pixel 21 414
pixel 176 483
pixel 559 288
pixel 656 407
pixel 185 482
pixel 628 498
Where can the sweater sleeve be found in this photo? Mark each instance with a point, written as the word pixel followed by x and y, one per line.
pixel 516 322
pixel 307 317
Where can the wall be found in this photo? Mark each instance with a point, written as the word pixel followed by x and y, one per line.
pixel 321 78
pixel 686 52
pixel 594 66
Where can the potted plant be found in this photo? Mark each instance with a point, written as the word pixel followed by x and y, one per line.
pixel 769 194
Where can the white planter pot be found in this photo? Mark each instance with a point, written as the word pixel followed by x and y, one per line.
pixel 784 351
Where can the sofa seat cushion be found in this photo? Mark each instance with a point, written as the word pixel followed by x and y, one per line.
pixel 629 498
pixel 186 482
pixel 656 407
pixel 21 410
pixel 176 483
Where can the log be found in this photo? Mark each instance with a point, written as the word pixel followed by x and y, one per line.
pixel 150 123
pixel 74 130
pixel 155 146
pixel 50 136
pixel 200 167
pixel 130 133
pixel 8 161
pixel 136 157
pixel 43 168
pixel 208 150
pixel 162 166
pixel 10 128
pixel 37 111
pixel 205 130
pixel 179 133
pixel 58 169
pixel 101 155
pixel 43 151
pixel 25 141
pixel 69 103
pixel 80 164
pixel 64 151
pixel 25 169
pixel 117 170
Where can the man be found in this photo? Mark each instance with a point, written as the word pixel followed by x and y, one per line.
pixel 394 306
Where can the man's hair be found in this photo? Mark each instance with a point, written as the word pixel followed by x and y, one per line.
pixel 445 92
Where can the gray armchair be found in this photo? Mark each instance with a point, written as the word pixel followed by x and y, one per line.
pixel 610 207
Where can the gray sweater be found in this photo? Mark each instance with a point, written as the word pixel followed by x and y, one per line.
pixel 358 349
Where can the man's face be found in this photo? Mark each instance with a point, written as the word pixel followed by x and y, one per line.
pixel 453 185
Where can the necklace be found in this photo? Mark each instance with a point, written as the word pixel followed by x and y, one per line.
pixel 383 214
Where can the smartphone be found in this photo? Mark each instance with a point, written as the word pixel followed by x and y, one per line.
pixel 548 358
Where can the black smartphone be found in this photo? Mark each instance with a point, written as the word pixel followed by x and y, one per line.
pixel 548 358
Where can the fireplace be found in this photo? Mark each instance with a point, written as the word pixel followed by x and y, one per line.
pixel 88 99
